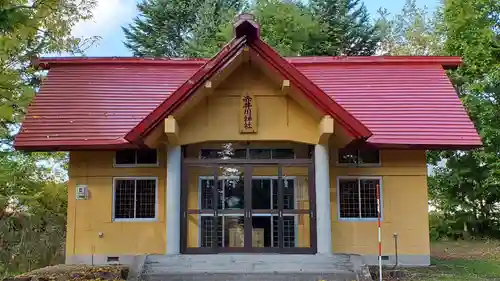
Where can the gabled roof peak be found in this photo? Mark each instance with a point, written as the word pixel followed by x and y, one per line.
pixel 245 25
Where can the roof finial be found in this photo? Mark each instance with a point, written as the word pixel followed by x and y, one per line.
pixel 245 24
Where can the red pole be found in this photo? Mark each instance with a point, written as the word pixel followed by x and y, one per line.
pixel 379 234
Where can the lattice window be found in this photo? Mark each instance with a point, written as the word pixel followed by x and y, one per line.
pixel 135 198
pixel 359 156
pixel 288 194
pixel 288 231
pixel 134 157
pixel 207 231
pixel 207 196
pixel 358 198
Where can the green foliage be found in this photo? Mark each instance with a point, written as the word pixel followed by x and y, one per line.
pixel 212 28
pixel 444 227
pixel 168 28
pixel 180 28
pixel 286 26
pixel 468 186
pixel 162 27
pixel 413 31
pixel 465 186
pixel 28 29
pixel 32 230
pixel 345 29
pixel 32 199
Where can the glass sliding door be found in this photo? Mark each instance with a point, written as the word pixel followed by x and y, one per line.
pixel 248 205
pixel 263 212
pixel 232 208
pixel 216 213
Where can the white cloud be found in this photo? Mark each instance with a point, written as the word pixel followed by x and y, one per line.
pixel 109 16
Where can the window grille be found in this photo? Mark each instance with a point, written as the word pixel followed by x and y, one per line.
pixel 358 198
pixel 135 198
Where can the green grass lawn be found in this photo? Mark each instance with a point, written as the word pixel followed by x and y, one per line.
pixel 460 261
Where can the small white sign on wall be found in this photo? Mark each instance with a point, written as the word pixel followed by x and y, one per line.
pixel 82 192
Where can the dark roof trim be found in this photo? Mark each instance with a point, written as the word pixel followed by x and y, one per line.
pixel 446 62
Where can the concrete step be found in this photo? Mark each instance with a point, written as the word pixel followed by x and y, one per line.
pixel 341 276
pixel 251 267
pixel 248 263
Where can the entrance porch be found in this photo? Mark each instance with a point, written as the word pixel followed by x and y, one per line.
pixel 248 198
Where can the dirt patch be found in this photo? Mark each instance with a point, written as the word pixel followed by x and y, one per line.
pixel 64 272
pixel 470 250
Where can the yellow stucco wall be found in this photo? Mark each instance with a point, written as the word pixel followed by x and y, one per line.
pixel 404 191
pixel 405 206
pixel 279 117
pixel 86 218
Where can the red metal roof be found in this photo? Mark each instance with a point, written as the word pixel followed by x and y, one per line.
pixel 86 105
pixel 402 104
pixel 93 103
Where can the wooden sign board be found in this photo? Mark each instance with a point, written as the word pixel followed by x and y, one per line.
pixel 248 114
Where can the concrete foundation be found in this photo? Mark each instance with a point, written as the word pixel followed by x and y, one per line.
pixel 403 260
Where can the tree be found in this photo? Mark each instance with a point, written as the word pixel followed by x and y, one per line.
pixel 178 28
pixel 412 32
pixel 291 27
pixel 469 184
pixel 27 30
pixel 285 25
pixel 346 29
pixel 31 228
pixel 212 27
pixel 464 189
pixel 162 28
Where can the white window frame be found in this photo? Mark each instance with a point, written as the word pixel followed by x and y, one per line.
pixel 135 192
pixel 359 178
pixel 157 164
pixel 355 165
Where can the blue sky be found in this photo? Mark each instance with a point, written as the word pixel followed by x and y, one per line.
pixel 110 15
